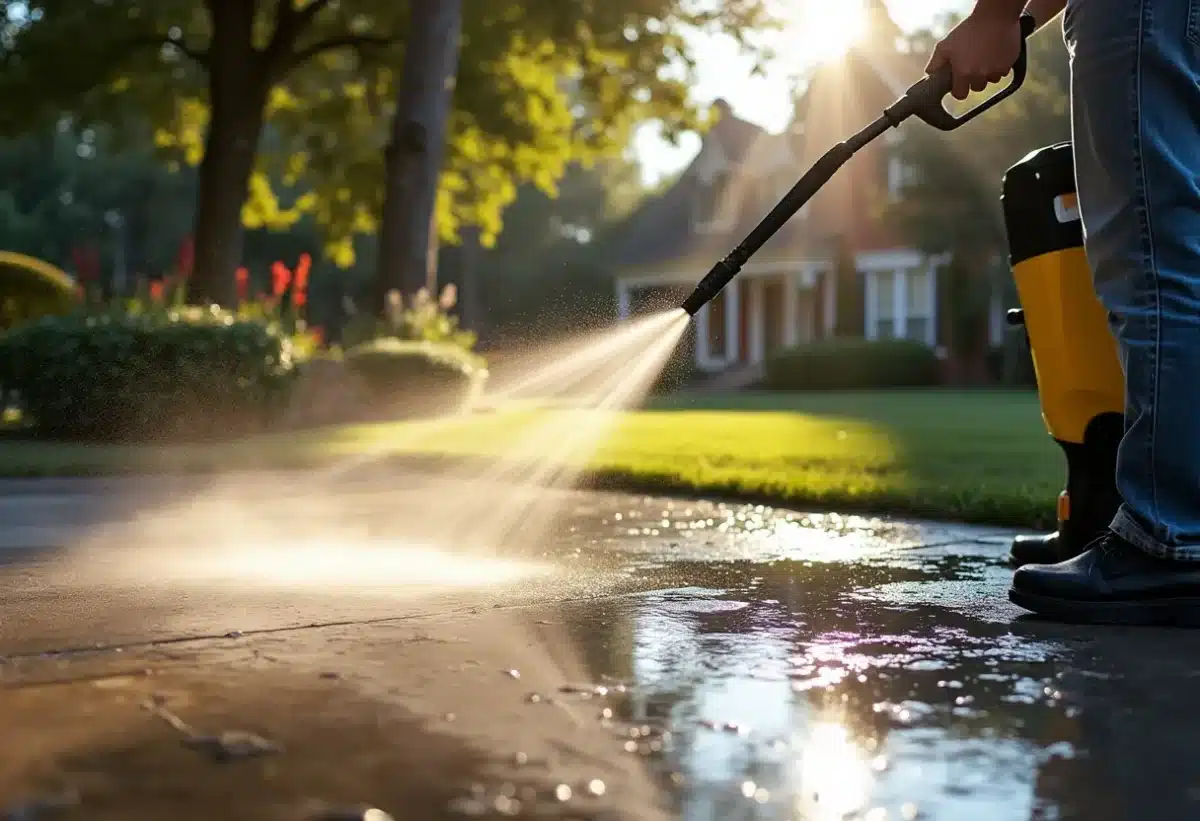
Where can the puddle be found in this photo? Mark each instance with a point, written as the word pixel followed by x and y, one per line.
pixel 786 705
pixel 870 673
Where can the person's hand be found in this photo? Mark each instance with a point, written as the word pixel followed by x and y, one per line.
pixel 981 49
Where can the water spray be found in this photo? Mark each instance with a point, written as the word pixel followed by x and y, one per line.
pixel 923 99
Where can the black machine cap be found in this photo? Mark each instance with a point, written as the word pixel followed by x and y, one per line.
pixel 1038 202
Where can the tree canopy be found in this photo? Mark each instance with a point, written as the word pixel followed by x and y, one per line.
pixel 284 104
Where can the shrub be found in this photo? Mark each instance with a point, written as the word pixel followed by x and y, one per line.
pixel 408 378
pixel 423 319
pixel 185 374
pixel 853 364
pixel 31 289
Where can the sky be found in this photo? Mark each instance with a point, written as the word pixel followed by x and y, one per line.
pixel 817 28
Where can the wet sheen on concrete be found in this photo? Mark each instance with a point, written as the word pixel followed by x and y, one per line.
pixel 760 664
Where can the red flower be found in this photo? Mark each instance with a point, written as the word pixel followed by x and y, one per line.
pixel 187 256
pixel 300 287
pixel 281 277
pixel 242 278
pixel 156 290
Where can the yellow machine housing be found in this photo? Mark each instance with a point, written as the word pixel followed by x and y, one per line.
pixel 1079 378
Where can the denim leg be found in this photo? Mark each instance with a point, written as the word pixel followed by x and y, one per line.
pixel 1135 110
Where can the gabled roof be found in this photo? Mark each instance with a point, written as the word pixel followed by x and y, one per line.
pixel 661 232
pixel 735 135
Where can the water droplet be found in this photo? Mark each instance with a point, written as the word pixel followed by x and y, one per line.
pixel 631 746
pixel 520 759
pixel 748 788
pixel 506 806
pixel 606 713
pixel 513 673
pixel 909 811
pixel 596 787
pixel 562 792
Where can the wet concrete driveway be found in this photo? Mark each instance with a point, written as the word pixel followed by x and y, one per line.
pixel 665 659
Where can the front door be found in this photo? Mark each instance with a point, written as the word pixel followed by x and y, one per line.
pixel 774 305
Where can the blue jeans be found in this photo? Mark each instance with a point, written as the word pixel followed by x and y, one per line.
pixel 1135 111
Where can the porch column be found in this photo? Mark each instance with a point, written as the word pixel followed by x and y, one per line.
pixel 871 297
pixel 702 353
pixel 622 299
pixel 831 286
pixel 791 310
pixel 900 297
pixel 757 325
pixel 732 314
pixel 932 336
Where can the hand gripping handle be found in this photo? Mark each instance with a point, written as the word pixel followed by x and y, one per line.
pixel 925 98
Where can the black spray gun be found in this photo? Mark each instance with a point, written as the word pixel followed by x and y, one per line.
pixel 924 100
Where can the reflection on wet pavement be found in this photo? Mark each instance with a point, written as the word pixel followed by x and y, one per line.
pixel 824 668
pixel 873 671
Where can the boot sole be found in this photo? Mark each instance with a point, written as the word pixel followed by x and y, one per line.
pixel 1176 612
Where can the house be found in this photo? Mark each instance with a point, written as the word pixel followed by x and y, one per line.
pixel 835 269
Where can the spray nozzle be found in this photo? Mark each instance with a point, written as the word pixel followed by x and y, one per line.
pixel 711 285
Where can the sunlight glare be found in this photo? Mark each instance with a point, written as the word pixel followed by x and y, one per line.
pixel 835 774
pixel 827 30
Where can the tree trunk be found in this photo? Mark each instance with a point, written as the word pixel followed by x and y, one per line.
pixel 413 159
pixel 237 98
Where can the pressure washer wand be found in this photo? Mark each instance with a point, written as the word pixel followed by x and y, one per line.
pixel 924 100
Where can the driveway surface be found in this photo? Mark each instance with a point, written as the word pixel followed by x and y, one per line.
pixel 255 649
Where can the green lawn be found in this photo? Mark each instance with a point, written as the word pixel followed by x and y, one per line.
pixel 974 456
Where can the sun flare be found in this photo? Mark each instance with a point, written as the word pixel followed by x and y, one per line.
pixel 827 29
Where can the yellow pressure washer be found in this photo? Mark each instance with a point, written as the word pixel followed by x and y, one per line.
pixel 1079 379
pixel 1081 386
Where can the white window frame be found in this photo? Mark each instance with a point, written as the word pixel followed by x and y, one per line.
pixel 899 173
pixel 897 265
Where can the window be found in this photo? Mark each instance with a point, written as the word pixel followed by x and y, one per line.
pixel 919 296
pixel 885 305
pixel 711 211
pixel 901 175
pixel 915 307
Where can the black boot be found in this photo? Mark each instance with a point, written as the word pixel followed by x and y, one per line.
pixel 1090 498
pixel 1112 582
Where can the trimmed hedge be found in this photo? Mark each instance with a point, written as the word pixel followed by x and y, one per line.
pixel 853 364
pixel 411 379
pixel 31 289
pixel 184 375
